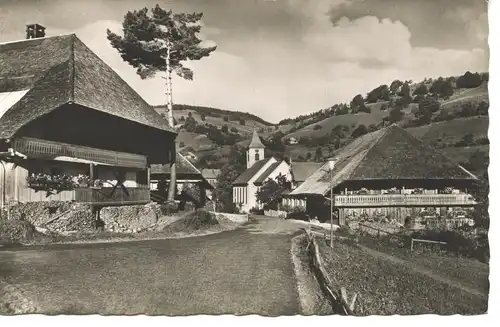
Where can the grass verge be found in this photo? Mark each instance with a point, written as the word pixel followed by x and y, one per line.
pixel 312 301
pixel 387 288
pixel 467 271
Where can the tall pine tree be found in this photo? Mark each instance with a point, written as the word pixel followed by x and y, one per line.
pixel 160 41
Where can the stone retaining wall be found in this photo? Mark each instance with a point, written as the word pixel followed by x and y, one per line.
pixel 134 218
pixel 55 215
pixel 234 217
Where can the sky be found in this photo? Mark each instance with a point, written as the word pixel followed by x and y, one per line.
pixel 283 58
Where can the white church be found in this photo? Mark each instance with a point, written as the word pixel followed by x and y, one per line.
pixel 259 169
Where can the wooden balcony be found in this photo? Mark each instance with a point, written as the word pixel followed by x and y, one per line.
pixel 44 149
pixel 397 200
pixel 107 197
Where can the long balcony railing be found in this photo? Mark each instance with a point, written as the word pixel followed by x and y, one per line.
pixel 404 200
pixel 33 147
pixel 106 196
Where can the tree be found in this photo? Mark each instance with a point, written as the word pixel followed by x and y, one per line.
pixel 395 115
pixel 469 80
pixel 395 85
pixel 317 127
pixel 271 191
pixel 421 90
pixel 159 41
pixel 223 193
pixel 380 93
pixel 442 88
pixel 319 154
pixel 428 106
pixel 358 104
pixel 242 122
pixel 203 117
pixel 405 90
pixel 482 108
pixel 360 130
pixel 226 118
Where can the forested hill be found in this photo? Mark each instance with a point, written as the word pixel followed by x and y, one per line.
pixel 450 113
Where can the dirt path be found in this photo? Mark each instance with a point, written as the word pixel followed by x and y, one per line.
pixel 424 271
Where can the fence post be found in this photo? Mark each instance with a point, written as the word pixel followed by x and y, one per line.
pixel 411 245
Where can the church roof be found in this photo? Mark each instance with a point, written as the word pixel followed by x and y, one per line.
pixel 247 175
pixel 263 177
pixel 389 153
pixel 256 143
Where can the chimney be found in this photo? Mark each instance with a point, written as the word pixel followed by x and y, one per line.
pixel 34 31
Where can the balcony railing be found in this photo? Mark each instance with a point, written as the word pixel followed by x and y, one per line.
pixel 32 147
pixel 404 200
pixel 106 196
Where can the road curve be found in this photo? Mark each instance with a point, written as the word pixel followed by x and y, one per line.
pixel 245 271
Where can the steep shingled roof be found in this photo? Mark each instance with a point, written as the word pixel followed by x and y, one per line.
pixel 256 143
pixel 389 153
pixel 59 70
pixel 210 173
pixel 247 175
pixel 266 173
pixel 302 170
pixel 182 167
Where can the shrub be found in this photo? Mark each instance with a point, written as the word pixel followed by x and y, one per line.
pixel 459 242
pixel 168 208
pixel 317 127
pixel 299 214
pixel 256 211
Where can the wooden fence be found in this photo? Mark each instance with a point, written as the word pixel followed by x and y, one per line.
pixel 416 240
pixel 338 299
pixel 275 213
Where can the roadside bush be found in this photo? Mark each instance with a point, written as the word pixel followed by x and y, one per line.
pixel 168 209
pixel 193 221
pixel 256 211
pixel 465 243
pixel 298 214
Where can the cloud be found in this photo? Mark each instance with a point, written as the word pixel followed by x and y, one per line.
pixel 289 57
pixel 433 23
pixel 331 64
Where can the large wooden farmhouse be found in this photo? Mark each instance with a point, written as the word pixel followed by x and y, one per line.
pixel 388 173
pixel 71 129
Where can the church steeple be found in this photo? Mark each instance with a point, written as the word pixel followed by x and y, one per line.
pixel 255 150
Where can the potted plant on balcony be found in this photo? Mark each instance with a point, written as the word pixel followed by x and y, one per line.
pixel 97 184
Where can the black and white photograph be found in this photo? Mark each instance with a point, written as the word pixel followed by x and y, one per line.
pixel 244 157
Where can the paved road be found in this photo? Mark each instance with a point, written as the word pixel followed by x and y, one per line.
pixel 246 271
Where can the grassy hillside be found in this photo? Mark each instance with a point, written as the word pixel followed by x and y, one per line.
pixel 452 131
pixel 453 122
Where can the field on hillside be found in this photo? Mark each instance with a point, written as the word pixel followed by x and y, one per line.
pixel 375 117
pixel 453 130
pixel 462 96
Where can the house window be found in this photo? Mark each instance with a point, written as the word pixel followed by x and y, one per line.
pixel 257 158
